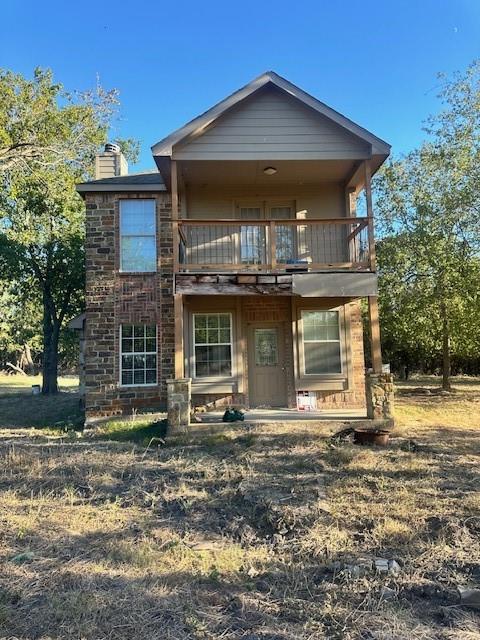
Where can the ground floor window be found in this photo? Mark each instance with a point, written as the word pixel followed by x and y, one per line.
pixel 321 342
pixel 138 359
pixel 212 340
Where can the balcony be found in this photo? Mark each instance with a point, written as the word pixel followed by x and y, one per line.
pixel 274 245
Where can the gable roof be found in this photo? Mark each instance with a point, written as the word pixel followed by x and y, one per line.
pixel 196 126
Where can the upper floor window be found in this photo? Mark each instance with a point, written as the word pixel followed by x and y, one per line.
pixel 138 250
pixel 321 342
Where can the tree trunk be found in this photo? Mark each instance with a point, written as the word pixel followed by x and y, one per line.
pixel 446 368
pixel 26 362
pixel 51 331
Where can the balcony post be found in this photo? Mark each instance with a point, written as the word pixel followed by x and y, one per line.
pixel 368 197
pixel 351 212
pixel 175 234
pixel 273 245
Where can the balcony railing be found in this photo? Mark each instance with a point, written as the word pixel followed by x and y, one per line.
pixel 272 245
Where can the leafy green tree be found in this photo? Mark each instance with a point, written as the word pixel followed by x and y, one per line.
pixel 429 212
pixel 412 327
pixel 43 242
pixel 20 326
pixel 42 125
pixel 48 141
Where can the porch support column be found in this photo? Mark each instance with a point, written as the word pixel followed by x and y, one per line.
pixel 179 390
pixel 179 401
pixel 179 347
pixel 375 344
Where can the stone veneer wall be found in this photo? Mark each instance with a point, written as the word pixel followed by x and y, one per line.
pixel 113 298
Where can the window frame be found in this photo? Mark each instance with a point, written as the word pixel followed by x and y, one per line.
pixel 342 375
pixel 201 344
pixel 144 353
pixel 148 235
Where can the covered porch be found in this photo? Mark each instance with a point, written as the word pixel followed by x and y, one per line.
pixel 272 352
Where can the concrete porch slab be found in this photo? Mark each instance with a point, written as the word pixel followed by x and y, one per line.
pixel 263 416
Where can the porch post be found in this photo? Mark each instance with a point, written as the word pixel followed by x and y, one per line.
pixel 375 343
pixel 177 297
pixel 179 389
pixel 179 347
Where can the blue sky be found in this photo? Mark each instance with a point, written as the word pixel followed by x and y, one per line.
pixel 373 60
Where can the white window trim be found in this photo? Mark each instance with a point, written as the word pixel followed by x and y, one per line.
pixel 146 353
pixel 201 344
pixel 340 341
pixel 129 235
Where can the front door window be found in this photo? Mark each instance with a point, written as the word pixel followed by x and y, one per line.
pixel 266 347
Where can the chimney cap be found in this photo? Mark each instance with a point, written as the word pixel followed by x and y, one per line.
pixel 112 147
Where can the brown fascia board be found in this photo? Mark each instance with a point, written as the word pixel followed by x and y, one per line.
pixel 197 125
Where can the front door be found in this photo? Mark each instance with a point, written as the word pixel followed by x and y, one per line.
pixel 266 365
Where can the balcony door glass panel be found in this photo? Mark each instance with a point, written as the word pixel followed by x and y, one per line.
pixel 286 234
pixel 252 237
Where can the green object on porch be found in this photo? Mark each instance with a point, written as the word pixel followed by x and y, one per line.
pixel 233 415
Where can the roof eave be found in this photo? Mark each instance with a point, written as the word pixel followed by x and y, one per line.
pixel 88 187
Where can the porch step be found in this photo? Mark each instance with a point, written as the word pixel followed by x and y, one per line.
pixel 323 428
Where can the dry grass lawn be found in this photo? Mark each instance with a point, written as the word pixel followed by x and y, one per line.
pixel 19 408
pixel 246 535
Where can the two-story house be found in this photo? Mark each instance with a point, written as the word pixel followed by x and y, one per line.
pixel 239 264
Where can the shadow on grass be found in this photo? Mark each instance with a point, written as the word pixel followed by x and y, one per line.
pixel 140 432
pixel 61 411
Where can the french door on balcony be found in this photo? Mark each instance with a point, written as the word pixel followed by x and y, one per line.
pixel 254 241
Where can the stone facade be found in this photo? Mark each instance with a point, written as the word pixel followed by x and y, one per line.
pixel 114 298
pixel 379 394
pixel 179 395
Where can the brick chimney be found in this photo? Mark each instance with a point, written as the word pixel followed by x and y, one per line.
pixel 110 163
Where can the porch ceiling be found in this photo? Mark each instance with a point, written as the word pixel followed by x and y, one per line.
pixel 250 172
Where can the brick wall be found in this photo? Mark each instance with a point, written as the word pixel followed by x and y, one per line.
pixel 354 398
pixel 113 299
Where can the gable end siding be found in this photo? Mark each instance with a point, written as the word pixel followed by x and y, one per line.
pixel 272 125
